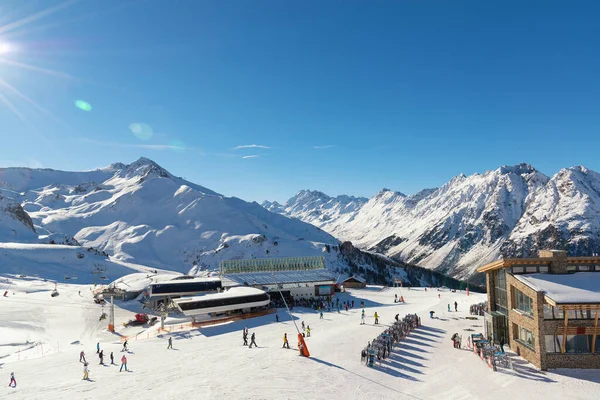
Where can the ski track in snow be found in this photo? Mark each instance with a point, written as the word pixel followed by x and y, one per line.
pixel 210 363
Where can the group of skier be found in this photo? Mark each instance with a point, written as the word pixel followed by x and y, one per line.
pixel 252 338
pixel 86 368
pixel 455 307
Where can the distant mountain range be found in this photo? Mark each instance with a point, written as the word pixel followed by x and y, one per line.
pixel 140 213
pixel 469 221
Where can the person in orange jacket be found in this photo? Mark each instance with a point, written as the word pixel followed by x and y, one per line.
pixel 285 341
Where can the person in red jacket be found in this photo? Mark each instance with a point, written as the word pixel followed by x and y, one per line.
pixel 123 363
pixel 13 382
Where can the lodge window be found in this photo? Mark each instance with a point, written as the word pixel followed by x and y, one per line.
pixel 575 344
pixel 522 302
pixel 525 337
pixel 557 313
pixel 501 298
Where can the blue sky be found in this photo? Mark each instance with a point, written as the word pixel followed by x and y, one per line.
pixel 345 96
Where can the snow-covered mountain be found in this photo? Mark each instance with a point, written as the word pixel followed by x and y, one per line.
pixel 317 208
pixel 15 223
pixel 142 213
pixel 470 221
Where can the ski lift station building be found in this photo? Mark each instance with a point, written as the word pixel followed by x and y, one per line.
pixel 546 308
pixel 298 277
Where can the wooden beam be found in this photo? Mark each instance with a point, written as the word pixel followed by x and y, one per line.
pixel 595 330
pixel 578 306
pixel 550 301
pixel 564 343
pixel 491 266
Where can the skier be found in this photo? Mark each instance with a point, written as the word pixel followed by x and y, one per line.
pixel 321 315
pixel 395 298
pixel 448 307
pixel 98 348
pixel 245 336
pixel 112 358
pixel 396 317
pixel 253 340
pixel 376 318
pixel 170 346
pixel 124 346
pixel 101 356
pixel 13 381
pixel 277 317
pixel 502 344
pixel 308 331
pixel 346 307
pixel 123 363
pixel 338 307
pixel 362 317
pixel 82 356
pixel 303 328
pixel 431 314
pixel 456 306
pixel 285 341
pixel 439 297
pixel 86 372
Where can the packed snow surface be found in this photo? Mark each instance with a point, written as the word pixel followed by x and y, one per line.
pixel 41 337
pixel 580 287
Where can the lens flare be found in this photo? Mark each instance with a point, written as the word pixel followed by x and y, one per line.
pixel 83 105
pixel 141 131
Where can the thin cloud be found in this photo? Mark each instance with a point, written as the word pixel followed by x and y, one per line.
pixel 251 146
pixel 252 156
pixel 160 147
pixel 324 147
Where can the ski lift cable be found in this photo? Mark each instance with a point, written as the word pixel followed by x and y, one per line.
pixel 285 302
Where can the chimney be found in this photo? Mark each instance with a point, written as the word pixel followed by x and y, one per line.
pixel 558 260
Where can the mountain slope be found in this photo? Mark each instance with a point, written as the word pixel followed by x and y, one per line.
pixel 317 208
pixel 470 221
pixel 15 223
pixel 142 213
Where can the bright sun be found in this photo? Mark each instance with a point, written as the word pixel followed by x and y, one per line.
pixel 5 48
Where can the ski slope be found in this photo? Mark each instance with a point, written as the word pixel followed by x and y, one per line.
pixel 211 363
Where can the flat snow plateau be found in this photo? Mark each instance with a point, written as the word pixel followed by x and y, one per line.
pixel 41 337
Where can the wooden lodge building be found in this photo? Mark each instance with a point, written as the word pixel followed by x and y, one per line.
pixel 546 308
pixel 354 282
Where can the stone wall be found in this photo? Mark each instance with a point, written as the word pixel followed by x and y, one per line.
pixel 532 323
pixel 568 360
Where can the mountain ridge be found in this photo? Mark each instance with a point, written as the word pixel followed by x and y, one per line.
pixel 140 212
pixel 472 220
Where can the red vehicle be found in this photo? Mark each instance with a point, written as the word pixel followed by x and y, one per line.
pixel 141 319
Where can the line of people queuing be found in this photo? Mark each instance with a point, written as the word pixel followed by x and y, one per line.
pixel 478 309
pixel 381 347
